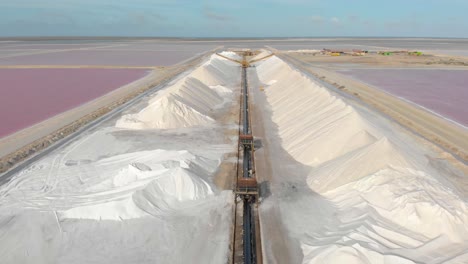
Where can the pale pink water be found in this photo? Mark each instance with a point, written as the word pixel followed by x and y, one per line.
pixel 47 46
pixel 101 57
pixel 444 92
pixel 29 96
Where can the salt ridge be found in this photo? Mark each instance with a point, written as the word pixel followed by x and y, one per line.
pixel 191 101
pixel 390 206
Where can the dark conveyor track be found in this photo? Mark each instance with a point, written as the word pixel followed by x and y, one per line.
pixel 248 219
pixel 249 235
pixel 246 244
pixel 247 166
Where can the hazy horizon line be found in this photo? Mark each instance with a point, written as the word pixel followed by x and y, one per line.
pixel 214 38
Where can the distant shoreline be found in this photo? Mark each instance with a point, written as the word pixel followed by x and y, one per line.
pixel 42 38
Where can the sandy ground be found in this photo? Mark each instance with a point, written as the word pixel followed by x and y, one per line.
pixel 376 60
pixel 26 142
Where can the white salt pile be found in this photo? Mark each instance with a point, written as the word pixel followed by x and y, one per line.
pixel 191 101
pixel 131 194
pixel 231 54
pixel 369 194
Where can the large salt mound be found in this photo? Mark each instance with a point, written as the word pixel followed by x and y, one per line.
pixel 355 165
pixel 432 209
pixel 393 212
pixel 376 199
pixel 154 206
pixel 312 118
pixel 217 71
pixel 168 179
pixel 353 254
pixel 168 112
pixel 172 192
pixel 231 54
pixel 191 101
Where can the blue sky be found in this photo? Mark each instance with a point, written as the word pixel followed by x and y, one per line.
pixel 241 18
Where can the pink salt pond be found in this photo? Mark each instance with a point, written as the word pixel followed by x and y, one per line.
pixel 444 92
pixel 29 96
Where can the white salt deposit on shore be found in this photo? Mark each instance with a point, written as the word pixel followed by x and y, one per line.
pixel 363 191
pixel 133 193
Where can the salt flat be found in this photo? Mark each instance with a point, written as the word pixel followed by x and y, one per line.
pixel 133 47
pixel 100 52
pixel 99 57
